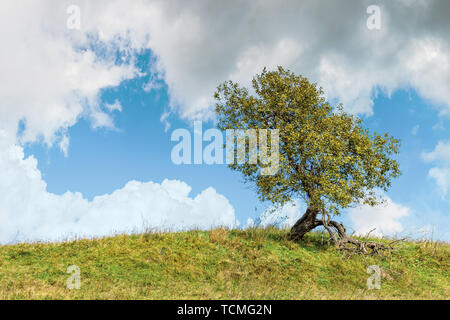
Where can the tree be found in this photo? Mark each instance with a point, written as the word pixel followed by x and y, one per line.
pixel 326 157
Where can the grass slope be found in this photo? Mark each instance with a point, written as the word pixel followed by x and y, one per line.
pixel 218 264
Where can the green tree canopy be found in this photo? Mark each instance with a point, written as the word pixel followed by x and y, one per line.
pixel 325 155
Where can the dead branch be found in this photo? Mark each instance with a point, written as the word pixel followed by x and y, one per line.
pixel 350 245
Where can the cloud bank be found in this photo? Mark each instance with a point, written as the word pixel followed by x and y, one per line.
pixel 51 75
pixel 385 218
pixel 28 212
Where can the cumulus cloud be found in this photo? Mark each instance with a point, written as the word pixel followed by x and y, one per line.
pixel 201 43
pixel 385 218
pixel 51 76
pixel 198 44
pixel 28 212
pixel 440 173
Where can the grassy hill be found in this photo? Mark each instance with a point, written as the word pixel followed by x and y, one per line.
pixel 219 264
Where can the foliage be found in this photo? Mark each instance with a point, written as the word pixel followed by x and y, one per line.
pixel 326 156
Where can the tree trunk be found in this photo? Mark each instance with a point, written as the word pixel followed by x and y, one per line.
pixel 305 224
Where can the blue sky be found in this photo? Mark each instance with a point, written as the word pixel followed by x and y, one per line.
pixel 87 108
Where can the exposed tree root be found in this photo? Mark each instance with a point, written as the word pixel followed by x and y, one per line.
pixel 344 243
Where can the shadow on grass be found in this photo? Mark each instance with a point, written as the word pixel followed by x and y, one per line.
pixel 315 242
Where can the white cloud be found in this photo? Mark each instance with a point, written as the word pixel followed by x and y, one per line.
pixel 441 153
pixel 29 212
pixel 256 57
pixel 46 81
pixel 198 44
pixel 283 217
pixel 116 106
pixel 442 178
pixel 201 43
pixel 440 174
pixel 49 83
pixel 384 218
pixel 64 145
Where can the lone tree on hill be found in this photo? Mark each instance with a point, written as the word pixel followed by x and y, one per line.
pixel 325 156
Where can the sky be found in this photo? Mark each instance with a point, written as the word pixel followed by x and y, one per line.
pixel 92 92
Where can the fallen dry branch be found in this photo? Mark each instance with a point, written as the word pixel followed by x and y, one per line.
pixel 338 235
pixel 354 246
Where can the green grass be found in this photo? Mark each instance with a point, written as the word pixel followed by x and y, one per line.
pixel 218 264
